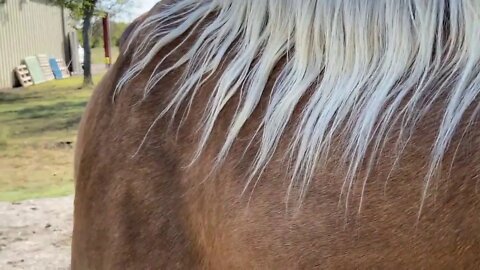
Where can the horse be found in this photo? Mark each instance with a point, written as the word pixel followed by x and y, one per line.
pixel 279 134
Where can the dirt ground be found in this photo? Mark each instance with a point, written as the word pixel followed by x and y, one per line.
pixel 36 234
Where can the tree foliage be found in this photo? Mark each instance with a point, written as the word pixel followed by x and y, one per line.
pixel 85 11
pixel 77 7
pixel 99 7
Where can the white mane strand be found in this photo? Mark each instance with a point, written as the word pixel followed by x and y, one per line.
pixel 367 66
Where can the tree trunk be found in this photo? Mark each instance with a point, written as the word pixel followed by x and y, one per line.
pixel 87 61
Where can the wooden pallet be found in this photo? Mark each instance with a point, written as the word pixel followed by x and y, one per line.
pixel 45 66
pixel 63 68
pixel 23 75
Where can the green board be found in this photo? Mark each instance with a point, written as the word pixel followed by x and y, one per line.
pixel 35 69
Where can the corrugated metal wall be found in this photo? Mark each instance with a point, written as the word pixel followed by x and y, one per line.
pixel 29 27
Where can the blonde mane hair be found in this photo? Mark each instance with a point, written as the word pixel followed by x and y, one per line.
pixel 366 65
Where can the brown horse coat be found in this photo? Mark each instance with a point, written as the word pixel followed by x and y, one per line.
pixel 153 211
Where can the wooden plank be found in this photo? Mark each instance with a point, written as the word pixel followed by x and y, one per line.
pixel 45 66
pixel 35 69
pixel 55 68
pixel 63 68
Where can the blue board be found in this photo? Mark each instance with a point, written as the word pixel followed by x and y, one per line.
pixel 55 68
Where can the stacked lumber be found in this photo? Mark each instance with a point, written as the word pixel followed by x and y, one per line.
pixel 63 68
pixel 41 68
pixel 45 67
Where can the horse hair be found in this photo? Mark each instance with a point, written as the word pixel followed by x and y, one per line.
pixel 363 66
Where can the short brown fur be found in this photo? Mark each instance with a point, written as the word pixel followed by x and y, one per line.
pixel 150 211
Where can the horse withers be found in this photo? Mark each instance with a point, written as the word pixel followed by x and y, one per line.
pixel 278 134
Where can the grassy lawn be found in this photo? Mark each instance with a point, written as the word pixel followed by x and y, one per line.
pixel 98 55
pixel 37 130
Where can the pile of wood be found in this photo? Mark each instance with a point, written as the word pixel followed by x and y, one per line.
pixel 41 68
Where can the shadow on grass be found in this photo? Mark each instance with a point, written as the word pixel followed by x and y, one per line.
pixel 38 119
pixel 69 123
pixel 8 98
pixel 57 110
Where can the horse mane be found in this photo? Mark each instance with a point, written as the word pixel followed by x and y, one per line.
pixel 364 66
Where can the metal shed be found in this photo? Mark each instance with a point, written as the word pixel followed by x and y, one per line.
pixel 30 27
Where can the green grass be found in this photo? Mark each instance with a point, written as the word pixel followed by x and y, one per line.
pixel 37 125
pixel 98 55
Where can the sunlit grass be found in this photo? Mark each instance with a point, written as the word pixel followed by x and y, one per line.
pixel 38 126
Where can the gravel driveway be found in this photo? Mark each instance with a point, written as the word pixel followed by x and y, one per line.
pixel 36 234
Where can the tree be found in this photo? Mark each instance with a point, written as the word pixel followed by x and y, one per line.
pixel 85 11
